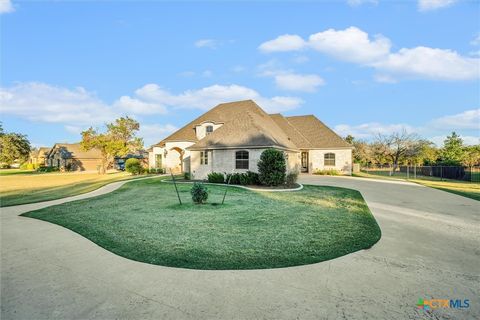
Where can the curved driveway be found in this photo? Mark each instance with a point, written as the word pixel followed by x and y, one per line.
pixel 429 249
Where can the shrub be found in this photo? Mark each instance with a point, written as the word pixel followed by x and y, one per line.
pixel 327 172
pixel 272 167
pixel 186 175
pixel 47 169
pixel 24 166
pixel 199 193
pixel 4 166
pixel 291 178
pixel 233 178
pixel 253 178
pixel 216 177
pixel 133 166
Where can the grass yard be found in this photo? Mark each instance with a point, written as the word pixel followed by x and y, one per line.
pixel 253 230
pixel 18 187
pixel 463 188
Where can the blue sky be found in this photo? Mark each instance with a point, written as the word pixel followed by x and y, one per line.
pixel 360 66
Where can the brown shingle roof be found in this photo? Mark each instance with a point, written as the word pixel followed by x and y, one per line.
pixel 252 128
pixel 75 150
pixel 245 124
pixel 295 136
pixel 220 114
pixel 317 133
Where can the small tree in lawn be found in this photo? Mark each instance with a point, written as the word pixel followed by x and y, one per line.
pixel 119 140
pixel 272 167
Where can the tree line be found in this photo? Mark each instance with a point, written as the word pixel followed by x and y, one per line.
pixel 403 148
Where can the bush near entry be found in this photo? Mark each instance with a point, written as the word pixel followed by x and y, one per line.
pixel 272 167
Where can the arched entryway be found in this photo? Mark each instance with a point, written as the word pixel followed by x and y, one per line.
pixel 176 157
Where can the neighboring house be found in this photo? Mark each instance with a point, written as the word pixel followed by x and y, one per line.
pixel 72 157
pixel 232 136
pixel 38 157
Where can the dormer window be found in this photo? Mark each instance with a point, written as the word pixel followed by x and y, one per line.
pixel 208 130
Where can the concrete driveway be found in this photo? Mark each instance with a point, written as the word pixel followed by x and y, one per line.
pixel 429 249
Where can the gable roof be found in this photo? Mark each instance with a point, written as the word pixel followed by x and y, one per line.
pixel 296 136
pixel 40 152
pixel 317 133
pixel 252 128
pixel 75 150
pixel 220 114
pixel 245 124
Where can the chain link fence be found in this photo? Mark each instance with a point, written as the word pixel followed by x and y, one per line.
pixel 439 173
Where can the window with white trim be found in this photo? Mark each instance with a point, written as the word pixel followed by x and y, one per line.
pixel 203 157
pixel 208 130
pixel 329 159
pixel 241 160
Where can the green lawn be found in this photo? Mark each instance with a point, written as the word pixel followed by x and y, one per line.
pixel 253 230
pixel 21 187
pixel 463 188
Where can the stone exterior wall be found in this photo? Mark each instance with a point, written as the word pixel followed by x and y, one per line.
pixel 224 161
pixel 343 160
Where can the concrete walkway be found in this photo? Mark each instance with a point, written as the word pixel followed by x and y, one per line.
pixel 429 249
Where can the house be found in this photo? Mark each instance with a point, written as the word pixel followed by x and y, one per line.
pixel 231 137
pixel 72 157
pixel 38 157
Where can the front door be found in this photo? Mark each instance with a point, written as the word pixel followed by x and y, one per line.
pixel 304 161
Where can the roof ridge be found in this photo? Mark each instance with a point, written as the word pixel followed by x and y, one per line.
pixel 303 136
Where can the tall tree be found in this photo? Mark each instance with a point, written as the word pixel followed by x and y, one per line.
pixel 423 152
pixel 471 156
pixel 13 147
pixel 396 146
pixel 361 152
pixel 119 140
pixel 452 151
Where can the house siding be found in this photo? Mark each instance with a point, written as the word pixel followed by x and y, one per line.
pixel 224 161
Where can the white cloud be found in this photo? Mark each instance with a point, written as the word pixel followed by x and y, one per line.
pixel 238 69
pixel 428 5
pixel 384 78
pixel 351 44
pixel 207 97
pixel 299 82
pixel 137 106
pixel 206 43
pixel 356 3
pixel 430 63
pixel 469 119
pixel 286 42
pixel 356 46
pixel 467 140
pixel 466 123
pixel 6 6
pixel 476 41
pixel 152 133
pixel 46 103
pixel 371 129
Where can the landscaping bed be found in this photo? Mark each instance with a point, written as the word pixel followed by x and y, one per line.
pixel 143 221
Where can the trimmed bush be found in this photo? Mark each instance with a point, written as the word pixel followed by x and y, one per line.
pixel 272 167
pixel 186 176
pixel 216 177
pixel 47 169
pixel 328 172
pixel 133 166
pixel 199 193
pixel 291 178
